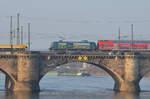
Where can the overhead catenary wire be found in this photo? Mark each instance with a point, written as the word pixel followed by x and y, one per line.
pixel 21 35
pixel 132 37
pixel 119 38
pixel 18 29
pixel 11 34
pixel 11 31
pixel 28 36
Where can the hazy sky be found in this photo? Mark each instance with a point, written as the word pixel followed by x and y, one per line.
pixel 75 19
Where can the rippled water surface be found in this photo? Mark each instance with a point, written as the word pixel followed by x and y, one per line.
pixel 94 87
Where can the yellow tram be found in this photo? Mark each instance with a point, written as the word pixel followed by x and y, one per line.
pixel 13 47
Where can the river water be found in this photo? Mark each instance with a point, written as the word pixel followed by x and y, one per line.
pixel 61 87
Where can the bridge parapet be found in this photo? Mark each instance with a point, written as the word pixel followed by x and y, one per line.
pixel 90 57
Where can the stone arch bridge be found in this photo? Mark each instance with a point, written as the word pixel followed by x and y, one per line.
pixel 24 70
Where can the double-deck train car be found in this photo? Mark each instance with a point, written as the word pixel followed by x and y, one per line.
pixel 13 47
pixel 123 45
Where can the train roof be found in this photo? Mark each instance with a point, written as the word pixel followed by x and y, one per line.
pixel 84 41
pixel 14 46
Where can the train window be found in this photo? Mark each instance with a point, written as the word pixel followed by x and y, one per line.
pixel 106 45
pixel 62 45
pixel 82 45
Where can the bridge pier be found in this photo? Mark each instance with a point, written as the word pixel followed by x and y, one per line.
pixel 130 81
pixel 127 86
pixel 27 73
pixel 26 86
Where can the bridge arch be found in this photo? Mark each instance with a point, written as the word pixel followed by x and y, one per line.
pixel 144 79
pixel 112 73
pixel 9 80
pixel 115 76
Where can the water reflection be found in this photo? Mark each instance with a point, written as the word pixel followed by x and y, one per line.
pixel 69 95
pixel 21 95
pixel 126 95
pixel 54 87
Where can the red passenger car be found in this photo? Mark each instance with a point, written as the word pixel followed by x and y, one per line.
pixel 122 45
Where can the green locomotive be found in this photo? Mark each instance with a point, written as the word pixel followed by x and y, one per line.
pixel 72 46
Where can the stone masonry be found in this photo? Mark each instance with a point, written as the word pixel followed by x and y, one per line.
pixel 24 70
